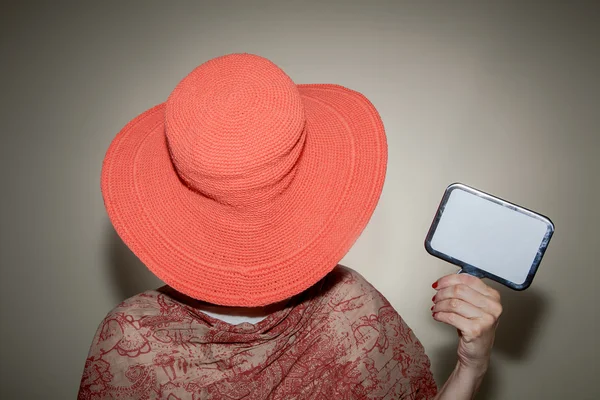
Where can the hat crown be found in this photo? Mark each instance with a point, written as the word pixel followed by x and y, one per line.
pixel 235 129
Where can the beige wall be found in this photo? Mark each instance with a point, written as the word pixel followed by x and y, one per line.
pixel 503 97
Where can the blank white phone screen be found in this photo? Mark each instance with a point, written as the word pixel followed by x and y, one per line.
pixel 489 236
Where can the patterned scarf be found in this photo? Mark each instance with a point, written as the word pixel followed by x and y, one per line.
pixel 341 339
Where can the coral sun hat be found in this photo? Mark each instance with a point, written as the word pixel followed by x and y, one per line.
pixel 243 188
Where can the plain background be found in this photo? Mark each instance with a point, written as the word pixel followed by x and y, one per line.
pixel 499 95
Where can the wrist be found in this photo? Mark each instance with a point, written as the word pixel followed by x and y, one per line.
pixel 463 383
pixel 471 372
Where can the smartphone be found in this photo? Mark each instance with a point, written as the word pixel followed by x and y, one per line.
pixel 489 237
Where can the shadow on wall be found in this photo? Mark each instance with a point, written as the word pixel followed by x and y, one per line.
pixel 129 276
pixel 520 323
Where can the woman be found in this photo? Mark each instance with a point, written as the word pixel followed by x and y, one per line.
pixel 242 192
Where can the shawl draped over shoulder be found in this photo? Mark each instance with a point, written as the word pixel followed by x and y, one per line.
pixel 341 339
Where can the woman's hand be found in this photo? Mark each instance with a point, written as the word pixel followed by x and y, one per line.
pixel 473 308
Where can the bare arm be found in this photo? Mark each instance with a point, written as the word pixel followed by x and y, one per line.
pixel 462 384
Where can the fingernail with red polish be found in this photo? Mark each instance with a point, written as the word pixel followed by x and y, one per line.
pixel 432 308
pixel 435 284
pixel 433 298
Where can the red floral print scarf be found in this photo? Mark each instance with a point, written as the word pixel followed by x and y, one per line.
pixel 341 339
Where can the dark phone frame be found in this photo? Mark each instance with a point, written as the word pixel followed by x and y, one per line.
pixel 473 270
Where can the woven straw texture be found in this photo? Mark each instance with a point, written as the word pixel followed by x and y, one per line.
pixel 243 188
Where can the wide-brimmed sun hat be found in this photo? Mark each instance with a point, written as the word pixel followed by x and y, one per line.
pixel 243 188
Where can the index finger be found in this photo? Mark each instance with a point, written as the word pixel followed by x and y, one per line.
pixel 465 279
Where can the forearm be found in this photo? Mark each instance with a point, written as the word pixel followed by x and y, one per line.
pixel 462 384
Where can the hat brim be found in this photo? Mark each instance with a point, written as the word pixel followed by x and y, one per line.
pixel 239 257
